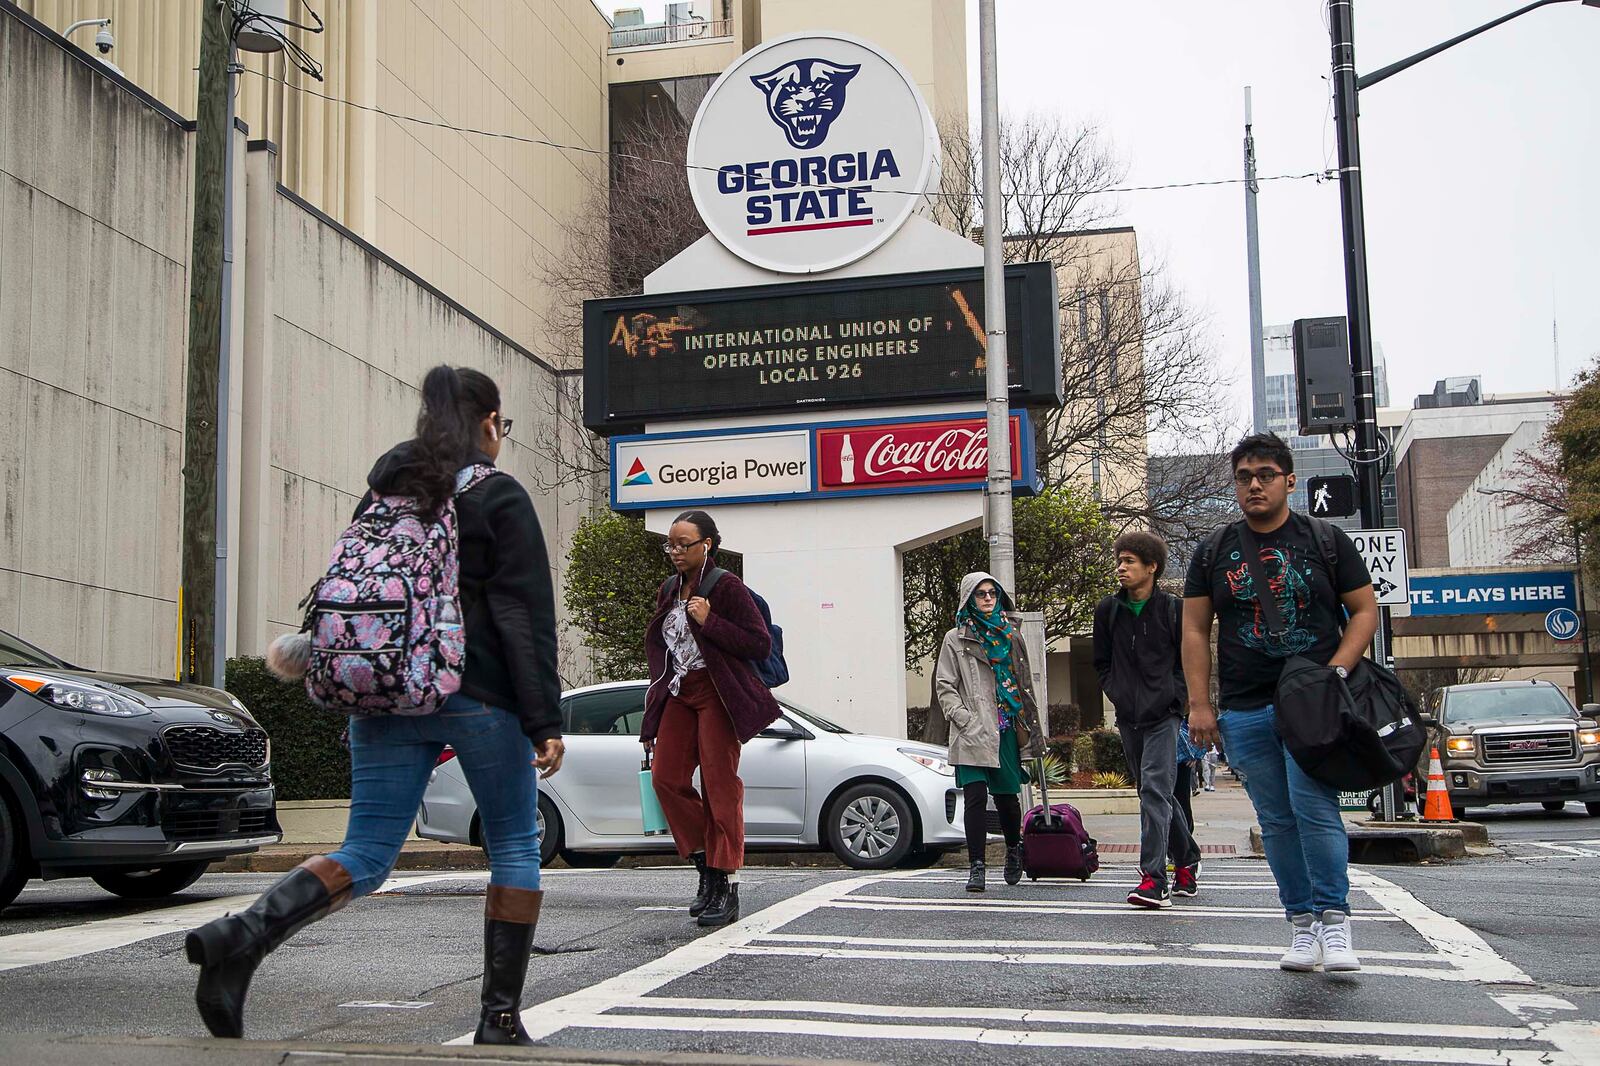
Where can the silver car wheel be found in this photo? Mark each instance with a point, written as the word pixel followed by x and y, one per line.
pixel 870 826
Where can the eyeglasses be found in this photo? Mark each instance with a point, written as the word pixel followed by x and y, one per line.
pixel 505 426
pixel 1266 475
pixel 679 549
pixel 986 594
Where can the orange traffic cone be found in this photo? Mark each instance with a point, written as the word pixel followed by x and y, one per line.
pixel 1437 807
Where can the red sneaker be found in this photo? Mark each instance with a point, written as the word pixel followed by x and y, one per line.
pixel 1150 893
pixel 1186 882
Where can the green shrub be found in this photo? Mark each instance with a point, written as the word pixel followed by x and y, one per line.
pixel 1083 752
pixel 309 761
pixel 1063 718
pixel 1108 757
pixel 1109 779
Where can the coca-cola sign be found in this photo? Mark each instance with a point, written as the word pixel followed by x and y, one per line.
pixel 925 453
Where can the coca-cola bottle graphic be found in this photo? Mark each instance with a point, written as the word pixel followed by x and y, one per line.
pixel 847 462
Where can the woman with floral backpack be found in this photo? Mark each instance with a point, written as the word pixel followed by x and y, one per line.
pixel 983 685
pixel 434 626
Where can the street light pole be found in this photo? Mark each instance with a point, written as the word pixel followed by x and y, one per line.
pixel 997 489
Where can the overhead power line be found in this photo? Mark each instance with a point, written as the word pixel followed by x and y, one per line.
pixel 1316 175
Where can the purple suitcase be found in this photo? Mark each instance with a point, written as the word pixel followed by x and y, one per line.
pixel 1055 844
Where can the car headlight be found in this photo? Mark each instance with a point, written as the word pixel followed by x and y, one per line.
pixel 1460 745
pixel 931 762
pixel 1589 738
pixel 73 696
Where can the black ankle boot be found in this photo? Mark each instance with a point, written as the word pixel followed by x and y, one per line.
pixel 229 949
pixel 975 877
pixel 723 908
pixel 511 914
pixel 702 895
pixel 1013 864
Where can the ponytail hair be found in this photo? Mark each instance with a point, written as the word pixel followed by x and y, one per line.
pixel 454 401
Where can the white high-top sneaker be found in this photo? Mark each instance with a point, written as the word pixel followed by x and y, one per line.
pixel 1338 949
pixel 1304 952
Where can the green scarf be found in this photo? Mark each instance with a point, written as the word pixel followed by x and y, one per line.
pixel 995 632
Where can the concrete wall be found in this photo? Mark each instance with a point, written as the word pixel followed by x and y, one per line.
pixel 338 340
pixel 94 246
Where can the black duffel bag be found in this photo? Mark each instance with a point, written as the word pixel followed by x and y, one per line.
pixel 1353 734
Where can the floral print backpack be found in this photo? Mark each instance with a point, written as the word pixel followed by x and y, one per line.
pixel 385 621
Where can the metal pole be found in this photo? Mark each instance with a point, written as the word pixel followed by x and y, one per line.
pixel 1252 244
pixel 1341 24
pixel 997 489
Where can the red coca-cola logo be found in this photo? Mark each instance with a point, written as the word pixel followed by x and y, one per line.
pixel 950 451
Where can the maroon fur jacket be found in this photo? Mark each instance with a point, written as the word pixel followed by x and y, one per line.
pixel 733 634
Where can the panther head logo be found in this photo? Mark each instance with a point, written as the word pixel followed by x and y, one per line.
pixel 804 97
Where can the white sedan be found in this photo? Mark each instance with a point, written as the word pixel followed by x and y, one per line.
pixel 810 785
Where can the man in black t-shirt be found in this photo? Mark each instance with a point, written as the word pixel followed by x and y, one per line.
pixel 1329 614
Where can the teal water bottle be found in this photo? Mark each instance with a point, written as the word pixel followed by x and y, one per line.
pixel 650 812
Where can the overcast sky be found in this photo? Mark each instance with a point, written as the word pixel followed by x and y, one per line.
pixel 1482 166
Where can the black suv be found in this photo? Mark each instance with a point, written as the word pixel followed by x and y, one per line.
pixel 135 782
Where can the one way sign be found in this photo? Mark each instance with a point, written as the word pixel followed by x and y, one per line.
pixel 1384 551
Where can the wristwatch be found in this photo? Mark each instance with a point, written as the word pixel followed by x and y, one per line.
pixel 1341 671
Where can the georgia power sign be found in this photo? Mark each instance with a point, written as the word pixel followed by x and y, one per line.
pixel 810 151
pixel 931 453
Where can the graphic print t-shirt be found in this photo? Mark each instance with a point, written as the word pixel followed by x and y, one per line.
pixel 1249 659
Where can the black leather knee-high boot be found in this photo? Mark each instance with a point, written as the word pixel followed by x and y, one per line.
pixel 229 949
pixel 510 916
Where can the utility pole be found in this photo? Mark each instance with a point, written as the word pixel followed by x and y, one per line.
pixel 1252 244
pixel 997 366
pixel 204 574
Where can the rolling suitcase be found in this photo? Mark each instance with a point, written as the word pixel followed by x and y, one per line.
pixel 1054 842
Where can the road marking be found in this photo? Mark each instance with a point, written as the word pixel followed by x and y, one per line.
pixel 1563 849
pixel 1526 1005
pixel 1205 886
pixel 1072 945
pixel 1179 1044
pixel 890 903
pixel 58 945
pixel 1470 953
pixel 390 1004
pixel 1064 959
pixel 1042 1016
pixel 544 1019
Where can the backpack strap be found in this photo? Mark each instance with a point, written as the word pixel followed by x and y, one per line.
pixel 1209 548
pixel 471 476
pixel 1271 612
pixel 1327 546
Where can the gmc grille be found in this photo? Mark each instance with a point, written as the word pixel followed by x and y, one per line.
pixel 1559 746
pixel 200 747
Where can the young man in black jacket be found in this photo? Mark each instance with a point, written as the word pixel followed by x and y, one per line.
pixel 1138 653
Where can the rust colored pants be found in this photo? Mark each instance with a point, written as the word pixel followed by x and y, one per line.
pixel 697 732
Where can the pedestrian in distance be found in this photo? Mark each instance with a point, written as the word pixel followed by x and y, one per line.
pixel 1138 655
pixel 1320 584
pixel 503 721
pixel 1208 766
pixel 704 703
pixel 985 691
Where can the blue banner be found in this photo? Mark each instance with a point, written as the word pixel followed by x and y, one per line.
pixel 1510 592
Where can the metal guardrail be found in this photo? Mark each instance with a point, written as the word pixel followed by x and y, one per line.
pixel 689 32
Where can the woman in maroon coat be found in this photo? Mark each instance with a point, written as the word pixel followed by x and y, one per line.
pixel 704 702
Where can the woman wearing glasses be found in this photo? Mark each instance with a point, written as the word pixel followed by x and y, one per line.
pixel 704 703
pixel 982 681
pixel 503 723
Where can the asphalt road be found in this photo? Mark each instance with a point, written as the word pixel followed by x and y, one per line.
pixel 1487 961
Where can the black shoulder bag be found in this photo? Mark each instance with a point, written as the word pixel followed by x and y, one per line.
pixel 1353 734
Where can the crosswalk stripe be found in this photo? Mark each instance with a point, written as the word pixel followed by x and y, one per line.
pixel 1072 945
pixel 997 906
pixel 1077 1039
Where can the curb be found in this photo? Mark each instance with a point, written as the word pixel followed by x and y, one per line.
pixel 1408 845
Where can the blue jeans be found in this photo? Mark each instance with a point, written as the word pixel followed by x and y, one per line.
pixel 1301 828
pixel 390 760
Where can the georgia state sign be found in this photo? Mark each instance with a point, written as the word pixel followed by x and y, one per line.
pixel 810 151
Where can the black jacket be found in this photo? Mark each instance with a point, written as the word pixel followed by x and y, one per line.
pixel 507 598
pixel 1140 657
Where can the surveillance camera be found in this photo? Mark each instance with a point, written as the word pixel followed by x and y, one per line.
pixel 104 41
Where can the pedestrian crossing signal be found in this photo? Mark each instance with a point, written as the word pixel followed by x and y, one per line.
pixel 1331 497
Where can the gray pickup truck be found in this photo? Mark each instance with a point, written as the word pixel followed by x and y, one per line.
pixel 1517 742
